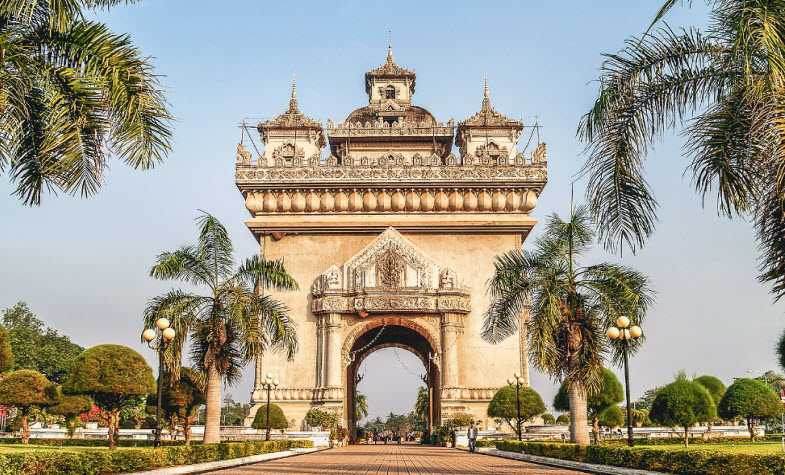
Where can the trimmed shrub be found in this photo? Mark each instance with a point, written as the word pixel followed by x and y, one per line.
pixel 26 389
pixel 683 403
pixel 548 419
pixel 504 406
pixel 277 418
pixel 87 461
pixel 611 417
pixel 751 399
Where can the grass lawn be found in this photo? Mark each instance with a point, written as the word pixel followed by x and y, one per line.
pixel 752 448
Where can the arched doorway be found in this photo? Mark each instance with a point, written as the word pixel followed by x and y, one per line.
pixel 386 333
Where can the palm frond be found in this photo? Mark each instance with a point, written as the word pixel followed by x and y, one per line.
pixel 185 265
pixel 510 287
pixel 257 271
pixel 214 247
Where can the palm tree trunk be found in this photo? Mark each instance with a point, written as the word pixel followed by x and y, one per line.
pixel 212 424
pixel 579 433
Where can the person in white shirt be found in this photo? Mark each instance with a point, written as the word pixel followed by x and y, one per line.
pixel 471 434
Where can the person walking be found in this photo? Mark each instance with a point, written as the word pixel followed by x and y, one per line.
pixel 471 434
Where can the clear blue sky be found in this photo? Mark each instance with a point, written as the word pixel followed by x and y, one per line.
pixel 82 264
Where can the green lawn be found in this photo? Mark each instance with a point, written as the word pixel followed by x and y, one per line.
pixel 756 448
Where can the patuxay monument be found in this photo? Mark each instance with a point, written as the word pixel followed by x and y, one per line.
pixel 392 237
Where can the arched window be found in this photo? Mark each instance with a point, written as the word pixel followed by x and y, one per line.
pixel 389 92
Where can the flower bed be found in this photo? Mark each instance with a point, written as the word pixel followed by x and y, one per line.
pixel 704 460
pixel 44 461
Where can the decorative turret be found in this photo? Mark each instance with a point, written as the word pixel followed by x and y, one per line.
pixel 290 138
pixel 390 82
pixel 488 137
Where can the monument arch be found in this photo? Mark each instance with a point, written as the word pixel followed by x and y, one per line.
pixel 390 219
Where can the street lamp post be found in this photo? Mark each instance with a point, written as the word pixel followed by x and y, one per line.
pixel 158 340
pixel 624 334
pixel 517 402
pixel 269 384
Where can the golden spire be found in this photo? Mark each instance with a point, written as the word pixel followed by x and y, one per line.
pixel 293 98
pixel 486 96
pixel 389 48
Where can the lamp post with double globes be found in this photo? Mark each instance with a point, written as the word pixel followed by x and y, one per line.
pixel 269 384
pixel 517 383
pixel 623 333
pixel 158 338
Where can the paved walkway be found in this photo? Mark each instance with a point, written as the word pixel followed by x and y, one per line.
pixel 394 459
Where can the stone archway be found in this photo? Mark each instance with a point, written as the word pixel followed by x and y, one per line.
pixel 393 332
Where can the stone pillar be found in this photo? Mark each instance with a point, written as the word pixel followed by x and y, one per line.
pixel 259 360
pixel 319 351
pixel 332 327
pixel 452 327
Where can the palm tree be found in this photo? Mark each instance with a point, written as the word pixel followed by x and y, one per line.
pixel 725 87
pixel 571 306
pixel 230 325
pixel 360 406
pixel 72 93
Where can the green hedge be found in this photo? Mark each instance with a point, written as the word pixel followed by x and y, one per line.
pixel 44 461
pixel 704 461
pixel 92 442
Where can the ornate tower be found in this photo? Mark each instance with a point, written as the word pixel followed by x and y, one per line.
pixel 392 239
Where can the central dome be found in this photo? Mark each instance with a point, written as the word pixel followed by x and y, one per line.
pixel 411 115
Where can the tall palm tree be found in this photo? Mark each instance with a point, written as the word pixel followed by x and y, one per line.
pixel 360 406
pixel 232 323
pixel 71 94
pixel 725 88
pixel 571 306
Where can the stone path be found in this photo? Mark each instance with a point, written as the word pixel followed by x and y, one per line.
pixel 394 459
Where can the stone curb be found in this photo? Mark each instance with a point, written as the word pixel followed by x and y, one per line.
pixel 221 464
pixel 553 462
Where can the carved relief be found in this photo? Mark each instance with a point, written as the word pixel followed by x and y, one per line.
pixel 447 279
pixel 389 270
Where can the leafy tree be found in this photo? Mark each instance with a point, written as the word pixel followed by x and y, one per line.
pixel 71 407
pixel 548 419
pixel 375 426
pixel 725 83
pixel 181 399
pixel 571 306
pixel 683 403
pixel 70 92
pixel 715 387
pixel 421 406
pixel 6 355
pixel 323 418
pixel 233 323
pixel 360 406
pixel 461 419
pixel 611 416
pixel 750 399
pixel 277 418
pixel 233 413
pixel 36 346
pixel 504 406
pixel 640 418
pixel 610 393
pixel 647 399
pixel 133 413
pixel 398 424
pixel 113 376
pixel 26 389
pixel 563 419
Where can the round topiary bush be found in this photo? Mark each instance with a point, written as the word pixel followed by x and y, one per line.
pixel 277 418
pixel 504 406
pixel 25 389
pixel 111 375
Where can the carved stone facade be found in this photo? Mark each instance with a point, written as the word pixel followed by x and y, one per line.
pixel 392 238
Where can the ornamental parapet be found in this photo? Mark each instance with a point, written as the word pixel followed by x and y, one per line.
pixel 384 129
pixel 400 301
pixel 299 394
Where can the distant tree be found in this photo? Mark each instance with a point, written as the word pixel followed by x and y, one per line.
pixel 26 389
pixel 563 419
pixel 548 419
pixel 71 407
pixel 421 406
pixel 360 406
pixel 750 399
pixel 375 426
pixel 461 419
pixel 36 346
pixel 112 375
pixel 504 406
pixel 640 418
pixel 277 418
pixel 233 413
pixel 611 416
pixel 715 387
pixel 647 399
pixel 6 355
pixel 609 393
pixel 397 424
pixel 683 403
pixel 181 399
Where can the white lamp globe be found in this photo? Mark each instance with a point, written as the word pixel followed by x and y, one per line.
pixel 636 331
pixel 613 333
pixel 275 382
pixel 622 322
pixel 148 335
pixel 162 323
pixel 168 334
